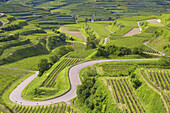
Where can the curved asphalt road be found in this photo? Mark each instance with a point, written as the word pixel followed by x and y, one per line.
pixel 15 96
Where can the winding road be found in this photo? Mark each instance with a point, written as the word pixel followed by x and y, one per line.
pixel 15 96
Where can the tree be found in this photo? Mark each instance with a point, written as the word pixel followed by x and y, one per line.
pixel 165 61
pixel 54 59
pixel 43 66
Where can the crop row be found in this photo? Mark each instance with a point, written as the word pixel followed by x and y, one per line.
pixel 124 95
pixel 57 108
pixel 160 78
pixel 50 81
pixel 74 44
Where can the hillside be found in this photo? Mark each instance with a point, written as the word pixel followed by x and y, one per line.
pixel 84 56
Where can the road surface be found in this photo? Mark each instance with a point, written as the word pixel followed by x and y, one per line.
pixel 15 96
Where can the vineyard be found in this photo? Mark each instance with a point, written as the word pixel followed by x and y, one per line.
pixel 124 95
pixel 76 44
pixel 50 81
pixel 160 79
pixel 56 108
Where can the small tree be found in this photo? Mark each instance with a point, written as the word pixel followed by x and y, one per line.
pixel 54 59
pixel 165 61
pixel 43 66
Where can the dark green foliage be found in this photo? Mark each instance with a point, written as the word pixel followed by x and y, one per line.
pixel 136 83
pixel 29 32
pixel 94 97
pixel 89 71
pixel 10 37
pixel 84 91
pixel 43 66
pixel 11 19
pixel 56 41
pixel 165 61
pixel 113 50
pixel 54 59
pixel 136 50
pixel 17 43
pixel 92 40
pixel 14 26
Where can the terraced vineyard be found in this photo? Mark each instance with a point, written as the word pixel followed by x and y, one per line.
pixel 160 79
pixel 124 96
pixel 56 108
pixel 50 81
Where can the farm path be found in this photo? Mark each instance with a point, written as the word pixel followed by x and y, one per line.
pixel 165 104
pixel 145 43
pixel 152 21
pixel 16 97
pixel 2 23
pixel 105 40
pixel 109 30
pixel 74 33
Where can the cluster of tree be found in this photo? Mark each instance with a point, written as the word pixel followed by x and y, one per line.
pixel 92 40
pixel 15 26
pixel 136 83
pixel 17 43
pixel 165 61
pixel 94 97
pixel 118 24
pixel 11 19
pixel 116 51
pixel 89 71
pixel 29 32
pixel 55 41
pixel 10 37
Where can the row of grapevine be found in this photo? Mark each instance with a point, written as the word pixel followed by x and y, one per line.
pixel 149 50
pixel 160 78
pixel 123 94
pixel 75 44
pixel 56 108
pixel 50 81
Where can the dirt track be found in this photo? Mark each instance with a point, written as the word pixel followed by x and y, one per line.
pixel 76 34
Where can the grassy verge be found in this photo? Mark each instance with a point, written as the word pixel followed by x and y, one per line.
pixel 8 91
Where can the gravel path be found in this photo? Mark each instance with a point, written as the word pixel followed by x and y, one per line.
pixel 15 96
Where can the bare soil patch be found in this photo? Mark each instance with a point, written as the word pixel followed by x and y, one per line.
pixel 76 34
pixel 153 21
pixel 132 32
